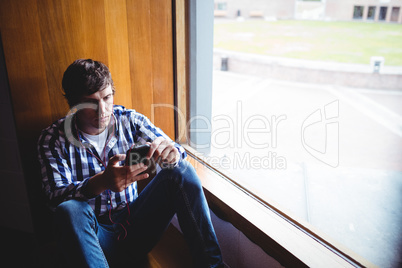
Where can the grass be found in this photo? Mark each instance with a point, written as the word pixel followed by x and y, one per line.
pixel 349 42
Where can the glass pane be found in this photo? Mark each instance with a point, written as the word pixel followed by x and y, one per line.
pixel 300 119
pixel 358 12
pixel 395 14
pixel 383 13
pixel 371 13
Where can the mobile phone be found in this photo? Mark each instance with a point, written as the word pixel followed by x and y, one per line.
pixel 137 155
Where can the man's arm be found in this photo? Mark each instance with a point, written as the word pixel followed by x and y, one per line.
pixel 57 179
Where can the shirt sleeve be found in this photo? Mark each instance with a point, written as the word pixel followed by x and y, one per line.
pixel 57 180
pixel 147 131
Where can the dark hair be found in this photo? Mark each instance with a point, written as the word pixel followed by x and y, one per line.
pixel 84 78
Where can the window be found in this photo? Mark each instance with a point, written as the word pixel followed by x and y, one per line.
pixel 220 9
pixel 358 12
pixel 324 153
pixel 395 14
pixel 371 13
pixel 221 6
pixel 383 13
pixel 320 152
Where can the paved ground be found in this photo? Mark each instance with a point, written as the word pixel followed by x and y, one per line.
pixel 329 156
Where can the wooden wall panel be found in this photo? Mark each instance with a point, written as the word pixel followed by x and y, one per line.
pixel 25 65
pixel 181 70
pixel 139 38
pixel 118 50
pixel 61 35
pixel 29 91
pixel 133 37
pixel 94 29
pixel 162 63
pixel 42 37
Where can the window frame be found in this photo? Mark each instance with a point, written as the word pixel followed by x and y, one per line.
pixel 291 242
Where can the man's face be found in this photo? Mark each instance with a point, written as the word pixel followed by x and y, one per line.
pixel 94 121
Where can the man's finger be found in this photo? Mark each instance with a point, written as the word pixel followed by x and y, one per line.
pixel 141 177
pixel 171 158
pixel 154 145
pixel 114 160
pixel 134 175
pixel 167 150
pixel 134 168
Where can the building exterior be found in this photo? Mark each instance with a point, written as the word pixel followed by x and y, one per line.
pixel 283 9
pixel 371 10
pixel 365 10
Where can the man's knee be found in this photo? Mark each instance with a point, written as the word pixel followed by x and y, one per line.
pixel 182 169
pixel 183 174
pixel 71 210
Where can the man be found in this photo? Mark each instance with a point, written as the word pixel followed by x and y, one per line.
pixel 99 218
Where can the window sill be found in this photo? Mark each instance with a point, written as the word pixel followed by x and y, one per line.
pixel 273 231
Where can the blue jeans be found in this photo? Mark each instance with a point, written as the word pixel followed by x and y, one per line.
pixel 86 241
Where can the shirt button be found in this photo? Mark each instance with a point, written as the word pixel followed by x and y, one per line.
pixel 101 165
pixel 108 201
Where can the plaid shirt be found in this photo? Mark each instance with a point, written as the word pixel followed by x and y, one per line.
pixel 68 160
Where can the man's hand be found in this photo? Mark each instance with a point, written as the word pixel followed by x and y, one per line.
pixel 163 151
pixel 116 177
